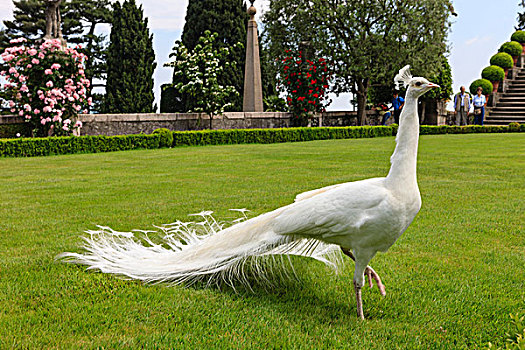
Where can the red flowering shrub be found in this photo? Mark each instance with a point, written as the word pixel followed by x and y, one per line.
pixel 46 85
pixel 305 83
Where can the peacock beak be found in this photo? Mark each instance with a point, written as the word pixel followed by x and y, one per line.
pixel 432 86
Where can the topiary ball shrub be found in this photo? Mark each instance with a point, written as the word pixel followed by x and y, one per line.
pixel 485 85
pixel 503 60
pixel 513 48
pixel 518 36
pixel 493 73
pixel 166 137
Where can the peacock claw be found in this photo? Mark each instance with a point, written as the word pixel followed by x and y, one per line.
pixel 372 275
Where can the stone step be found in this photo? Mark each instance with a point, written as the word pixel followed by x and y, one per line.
pixel 502 114
pixel 507 114
pixel 510 108
pixel 513 95
pixel 515 90
pixel 500 122
pixel 511 99
pixel 505 104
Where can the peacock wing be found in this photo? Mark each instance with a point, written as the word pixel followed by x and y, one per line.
pixel 340 210
pixel 310 194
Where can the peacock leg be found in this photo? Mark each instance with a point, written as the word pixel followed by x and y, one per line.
pixel 369 273
pixel 359 300
pixel 372 275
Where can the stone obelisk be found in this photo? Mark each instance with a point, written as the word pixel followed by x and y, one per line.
pixel 253 101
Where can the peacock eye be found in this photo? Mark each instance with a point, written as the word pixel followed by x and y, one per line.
pixel 418 84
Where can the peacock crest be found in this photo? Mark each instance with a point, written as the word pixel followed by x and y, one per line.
pixel 404 76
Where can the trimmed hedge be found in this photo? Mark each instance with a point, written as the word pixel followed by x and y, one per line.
pixel 513 48
pixel 518 36
pixel 485 85
pixel 493 73
pixel 503 60
pixel 31 147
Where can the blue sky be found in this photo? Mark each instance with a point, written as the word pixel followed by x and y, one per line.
pixel 478 32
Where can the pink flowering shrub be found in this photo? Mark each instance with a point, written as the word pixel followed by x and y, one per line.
pixel 46 85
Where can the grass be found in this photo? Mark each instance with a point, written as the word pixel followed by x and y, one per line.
pixel 452 278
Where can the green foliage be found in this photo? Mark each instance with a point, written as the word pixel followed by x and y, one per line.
pixel 364 41
pixel 516 338
pixel 34 147
pixel 198 72
pixel 503 60
pixel 164 138
pixel 444 80
pixel 274 103
pixel 521 18
pixel 130 62
pixel 518 36
pixel 169 99
pixel 514 127
pixel 485 84
pixel 493 73
pixel 305 81
pixel 228 19
pixel 513 48
pixel 91 14
pixel 10 131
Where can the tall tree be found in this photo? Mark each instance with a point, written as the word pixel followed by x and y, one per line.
pixel 366 40
pixel 521 16
pixel 130 61
pixel 228 19
pixel 90 14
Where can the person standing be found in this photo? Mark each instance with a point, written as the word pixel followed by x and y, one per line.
pixel 383 112
pixel 462 106
pixel 479 101
pixel 397 103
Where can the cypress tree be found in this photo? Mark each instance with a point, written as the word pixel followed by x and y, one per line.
pixel 227 18
pixel 130 62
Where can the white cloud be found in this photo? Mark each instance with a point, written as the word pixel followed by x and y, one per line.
pixel 471 41
pixel 478 40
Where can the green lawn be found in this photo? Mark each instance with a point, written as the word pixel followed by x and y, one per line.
pixel 452 278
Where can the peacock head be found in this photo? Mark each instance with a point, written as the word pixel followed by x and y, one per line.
pixel 416 86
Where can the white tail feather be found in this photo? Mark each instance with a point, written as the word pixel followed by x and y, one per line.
pixel 404 76
pixel 194 251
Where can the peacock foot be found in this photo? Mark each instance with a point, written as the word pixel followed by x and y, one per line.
pixel 371 275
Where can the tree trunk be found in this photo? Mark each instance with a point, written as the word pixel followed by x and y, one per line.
pixel 362 94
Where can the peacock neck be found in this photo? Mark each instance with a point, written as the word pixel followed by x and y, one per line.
pixel 402 173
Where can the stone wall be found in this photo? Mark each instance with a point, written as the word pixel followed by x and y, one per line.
pixel 123 124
